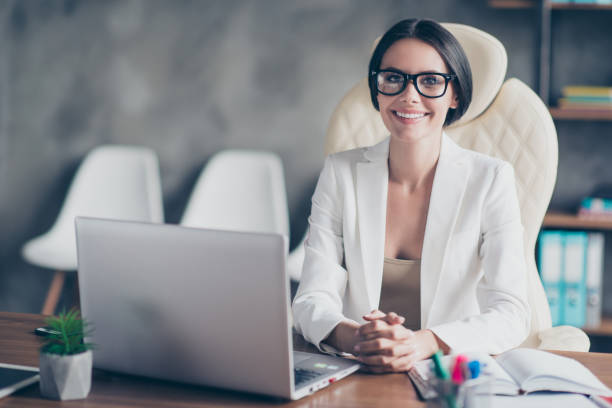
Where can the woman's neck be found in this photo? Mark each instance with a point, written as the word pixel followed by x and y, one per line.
pixel 412 164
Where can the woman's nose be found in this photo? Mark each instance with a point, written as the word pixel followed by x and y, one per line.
pixel 410 93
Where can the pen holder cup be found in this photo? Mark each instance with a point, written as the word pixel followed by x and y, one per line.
pixel 474 393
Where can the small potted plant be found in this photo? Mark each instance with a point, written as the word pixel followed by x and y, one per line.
pixel 65 358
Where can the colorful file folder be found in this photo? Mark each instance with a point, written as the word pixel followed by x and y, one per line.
pixel 550 265
pixel 574 278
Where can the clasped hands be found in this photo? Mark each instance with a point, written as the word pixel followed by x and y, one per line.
pixel 384 345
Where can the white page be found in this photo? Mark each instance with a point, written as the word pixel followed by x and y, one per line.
pixel 540 370
pixel 553 400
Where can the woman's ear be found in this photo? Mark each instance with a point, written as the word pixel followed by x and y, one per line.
pixel 454 103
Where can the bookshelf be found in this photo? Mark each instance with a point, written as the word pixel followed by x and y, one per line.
pixel 544 10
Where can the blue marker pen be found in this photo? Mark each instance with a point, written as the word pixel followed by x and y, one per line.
pixel 474 367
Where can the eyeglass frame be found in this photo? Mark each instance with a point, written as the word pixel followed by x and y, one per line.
pixel 413 78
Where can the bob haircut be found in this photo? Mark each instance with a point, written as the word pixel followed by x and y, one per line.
pixel 432 33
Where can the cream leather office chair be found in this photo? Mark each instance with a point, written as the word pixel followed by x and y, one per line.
pixel 506 120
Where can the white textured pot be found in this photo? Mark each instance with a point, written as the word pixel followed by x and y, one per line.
pixel 65 377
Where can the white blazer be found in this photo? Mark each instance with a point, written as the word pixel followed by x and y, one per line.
pixel 473 273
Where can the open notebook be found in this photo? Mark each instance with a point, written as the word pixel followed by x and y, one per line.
pixel 521 371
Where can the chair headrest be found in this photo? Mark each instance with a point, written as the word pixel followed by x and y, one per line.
pixel 488 60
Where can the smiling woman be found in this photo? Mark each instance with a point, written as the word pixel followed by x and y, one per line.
pixel 376 253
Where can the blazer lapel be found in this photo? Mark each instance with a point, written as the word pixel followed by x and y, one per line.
pixel 444 203
pixel 372 185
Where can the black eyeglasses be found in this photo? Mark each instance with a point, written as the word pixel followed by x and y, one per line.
pixel 429 84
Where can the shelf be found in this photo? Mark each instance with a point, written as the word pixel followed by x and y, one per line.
pixel 571 221
pixel 522 4
pixel 605 329
pixel 581 114
pixel 588 6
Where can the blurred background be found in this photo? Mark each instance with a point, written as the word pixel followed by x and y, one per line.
pixel 190 78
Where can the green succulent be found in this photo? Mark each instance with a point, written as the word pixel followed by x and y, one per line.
pixel 69 336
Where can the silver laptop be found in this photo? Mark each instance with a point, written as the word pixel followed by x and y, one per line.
pixel 193 305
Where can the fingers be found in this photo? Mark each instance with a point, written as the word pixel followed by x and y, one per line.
pixel 399 364
pixel 394 318
pixel 380 328
pixel 374 315
pixel 390 318
pixel 382 347
pixel 385 347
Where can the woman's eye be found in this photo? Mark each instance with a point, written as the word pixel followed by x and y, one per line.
pixel 430 80
pixel 394 78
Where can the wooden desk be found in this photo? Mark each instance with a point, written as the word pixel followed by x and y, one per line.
pixel 18 345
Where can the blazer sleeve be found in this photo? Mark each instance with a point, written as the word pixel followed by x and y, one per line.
pixel 504 321
pixel 317 306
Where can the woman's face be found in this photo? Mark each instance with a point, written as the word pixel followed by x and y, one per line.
pixel 410 116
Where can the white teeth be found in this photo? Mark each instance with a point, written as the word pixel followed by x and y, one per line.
pixel 409 115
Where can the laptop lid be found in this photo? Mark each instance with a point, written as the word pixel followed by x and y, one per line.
pixel 199 306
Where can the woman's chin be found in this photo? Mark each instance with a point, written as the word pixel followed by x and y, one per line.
pixel 409 137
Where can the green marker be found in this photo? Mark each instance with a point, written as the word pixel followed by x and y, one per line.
pixel 442 373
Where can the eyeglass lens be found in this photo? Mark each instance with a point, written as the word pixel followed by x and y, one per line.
pixel 392 83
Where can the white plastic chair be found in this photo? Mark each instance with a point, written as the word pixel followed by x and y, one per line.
pixel 240 190
pixel 295 260
pixel 119 182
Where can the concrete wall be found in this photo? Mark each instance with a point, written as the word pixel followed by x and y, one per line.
pixel 189 78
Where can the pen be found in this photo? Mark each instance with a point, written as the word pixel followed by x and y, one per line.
pixel 458 374
pixel 442 374
pixel 474 367
pixel 440 370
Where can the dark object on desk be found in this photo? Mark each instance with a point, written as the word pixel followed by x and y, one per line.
pixel 45 331
pixel 14 377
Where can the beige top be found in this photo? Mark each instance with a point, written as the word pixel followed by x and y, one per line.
pixel 401 290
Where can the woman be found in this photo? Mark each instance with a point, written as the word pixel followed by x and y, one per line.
pixel 415 215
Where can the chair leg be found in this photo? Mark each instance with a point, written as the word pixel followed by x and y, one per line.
pixel 54 293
